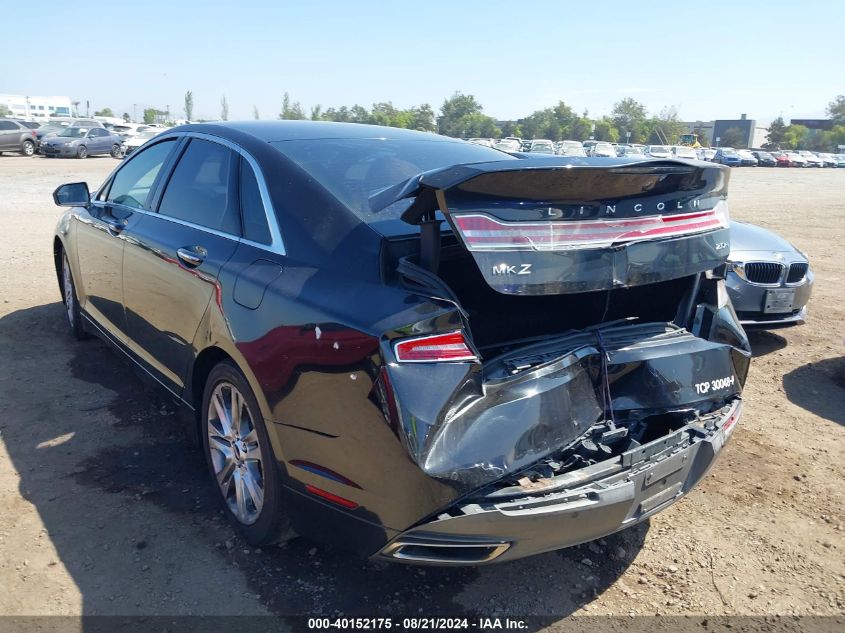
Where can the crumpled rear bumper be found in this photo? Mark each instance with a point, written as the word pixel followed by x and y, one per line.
pixel 584 505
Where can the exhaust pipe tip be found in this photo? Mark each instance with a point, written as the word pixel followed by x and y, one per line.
pixel 437 552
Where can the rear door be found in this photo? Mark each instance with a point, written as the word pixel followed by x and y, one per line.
pixel 102 230
pixel 101 140
pixel 174 256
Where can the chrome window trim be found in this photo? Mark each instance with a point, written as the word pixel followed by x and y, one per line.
pixel 276 245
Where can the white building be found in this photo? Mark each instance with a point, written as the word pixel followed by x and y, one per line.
pixel 37 108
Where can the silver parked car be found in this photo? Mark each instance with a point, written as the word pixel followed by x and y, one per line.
pixel 80 142
pixel 769 280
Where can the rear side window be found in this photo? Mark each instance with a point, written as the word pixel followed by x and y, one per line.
pixel 132 184
pixel 8 125
pixel 252 207
pixel 202 188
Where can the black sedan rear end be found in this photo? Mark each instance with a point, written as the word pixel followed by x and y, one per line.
pixel 427 350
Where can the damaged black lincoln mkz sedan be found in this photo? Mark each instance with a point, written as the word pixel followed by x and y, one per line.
pixel 426 350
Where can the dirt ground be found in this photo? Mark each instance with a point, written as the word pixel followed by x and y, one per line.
pixel 106 508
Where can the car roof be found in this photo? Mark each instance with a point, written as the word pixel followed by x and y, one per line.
pixel 309 130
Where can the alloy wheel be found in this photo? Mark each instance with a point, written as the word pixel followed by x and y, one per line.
pixel 235 452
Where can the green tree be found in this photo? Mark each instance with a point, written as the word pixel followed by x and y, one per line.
pixel 422 118
pixel 733 137
pixel 337 114
pixel 665 128
pixel 317 113
pixel 359 114
pixel 291 110
pixel 104 112
pixel 629 115
pixel 837 137
pixel 580 130
pixel 224 108
pixel 777 134
pixel 606 131
pixel 383 114
pixel 4 111
pixel 126 117
pixel 189 105
pixel 456 112
pixel 836 110
pixel 476 125
pixel 541 124
pixel 150 115
pixel 795 137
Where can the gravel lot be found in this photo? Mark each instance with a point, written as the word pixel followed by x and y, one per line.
pixel 107 509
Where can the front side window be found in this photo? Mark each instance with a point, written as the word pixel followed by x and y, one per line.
pixel 202 188
pixel 131 185
pixel 73 132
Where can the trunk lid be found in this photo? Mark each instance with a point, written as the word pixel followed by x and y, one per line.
pixel 563 225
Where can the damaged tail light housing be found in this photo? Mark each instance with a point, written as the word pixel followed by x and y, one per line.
pixel 482 232
pixel 435 348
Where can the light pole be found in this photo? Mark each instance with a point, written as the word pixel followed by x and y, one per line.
pixel 134 113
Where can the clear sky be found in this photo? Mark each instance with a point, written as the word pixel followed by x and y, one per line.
pixel 711 59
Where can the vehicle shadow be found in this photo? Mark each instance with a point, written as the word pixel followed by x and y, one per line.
pixel 117 481
pixel 819 388
pixel 764 342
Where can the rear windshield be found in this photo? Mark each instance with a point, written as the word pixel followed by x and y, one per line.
pixel 355 169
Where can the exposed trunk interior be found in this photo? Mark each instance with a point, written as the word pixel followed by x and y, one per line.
pixel 499 322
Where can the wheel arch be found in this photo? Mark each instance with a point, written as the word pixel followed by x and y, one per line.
pixel 58 250
pixel 202 366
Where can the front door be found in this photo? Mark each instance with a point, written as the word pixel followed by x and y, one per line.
pixel 102 231
pixel 173 258
pixel 98 141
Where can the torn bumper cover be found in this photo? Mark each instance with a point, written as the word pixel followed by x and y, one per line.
pixel 573 507
pixel 539 399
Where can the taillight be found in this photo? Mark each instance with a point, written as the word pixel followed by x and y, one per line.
pixel 482 232
pixel 436 348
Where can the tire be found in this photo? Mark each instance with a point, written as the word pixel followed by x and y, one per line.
pixel 72 312
pixel 28 148
pixel 82 152
pixel 115 151
pixel 252 491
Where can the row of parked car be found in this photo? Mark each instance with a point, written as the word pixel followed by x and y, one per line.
pixel 722 155
pixel 78 138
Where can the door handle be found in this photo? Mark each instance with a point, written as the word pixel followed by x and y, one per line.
pixel 191 257
pixel 114 225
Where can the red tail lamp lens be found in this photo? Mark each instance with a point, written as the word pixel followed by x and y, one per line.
pixel 434 349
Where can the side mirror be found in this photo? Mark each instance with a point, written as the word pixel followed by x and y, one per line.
pixel 73 194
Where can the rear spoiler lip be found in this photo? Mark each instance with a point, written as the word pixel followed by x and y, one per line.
pixel 447 177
